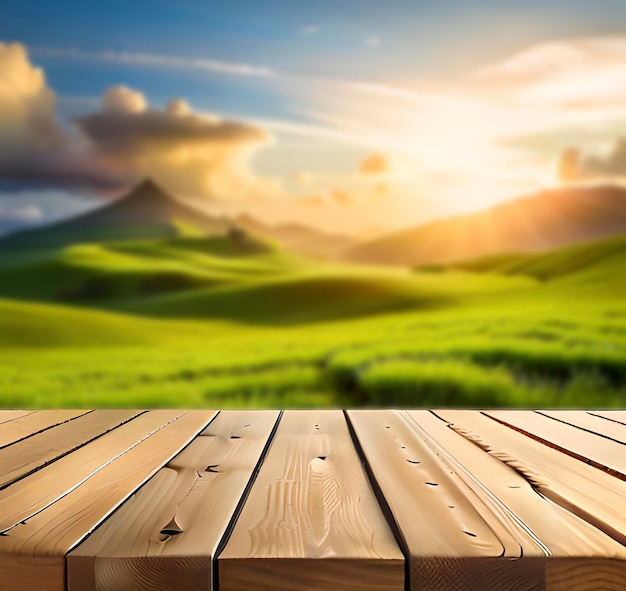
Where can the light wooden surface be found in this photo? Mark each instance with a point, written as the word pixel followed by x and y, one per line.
pixel 47 513
pixel 590 422
pixel 312 508
pixel 31 423
pixel 165 536
pixel 30 454
pixel 10 415
pixel 601 452
pixel 554 530
pixel 592 494
pixel 617 416
pixel 443 500
pixel 454 534
pixel 587 492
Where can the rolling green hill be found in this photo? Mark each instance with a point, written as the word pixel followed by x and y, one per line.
pixel 193 319
pixel 235 276
pixel 91 274
pixel 331 295
pixel 602 263
pixel 24 324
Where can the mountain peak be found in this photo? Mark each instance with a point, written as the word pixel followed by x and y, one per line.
pixel 148 193
pixel 147 212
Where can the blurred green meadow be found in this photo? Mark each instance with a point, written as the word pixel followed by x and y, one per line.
pixel 236 321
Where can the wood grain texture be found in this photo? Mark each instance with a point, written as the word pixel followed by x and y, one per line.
pixel 311 574
pixel 559 532
pixel 311 521
pixel 589 422
pixel 84 493
pixel 10 415
pixel 591 494
pixel 586 574
pixel 34 422
pixel 195 495
pixel 33 494
pixel 600 452
pixel 456 535
pixel 32 453
pixel 144 500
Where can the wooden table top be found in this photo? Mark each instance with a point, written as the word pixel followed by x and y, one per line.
pixel 307 500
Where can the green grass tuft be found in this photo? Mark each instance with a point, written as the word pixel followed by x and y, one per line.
pixel 436 384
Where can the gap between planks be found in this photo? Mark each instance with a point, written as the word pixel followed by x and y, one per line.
pixel 588 447
pixel 32 554
pixel 166 534
pixel 311 521
pixel 30 454
pixel 500 486
pixel 32 424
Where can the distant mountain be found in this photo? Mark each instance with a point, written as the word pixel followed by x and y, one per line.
pixel 146 212
pixel 299 237
pixel 549 219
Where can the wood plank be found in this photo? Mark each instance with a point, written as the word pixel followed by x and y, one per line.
pixel 454 535
pixel 600 452
pixel 33 494
pixel 32 552
pixel 586 574
pixel 311 521
pixel 563 534
pixel 591 494
pixel 588 422
pixel 196 494
pixel 10 415
pixel 618 416
pixel 32 423
pixel 30 454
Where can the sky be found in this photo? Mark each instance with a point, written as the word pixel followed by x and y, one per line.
pixel 352 115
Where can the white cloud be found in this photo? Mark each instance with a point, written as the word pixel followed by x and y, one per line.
pixel 329 132
pixel 28 208
pixel 459 129
pixel 572 74
pixel 121 99
pixel 473 127
pixel 27 105
pixel 157 60
pixel 15 217
pixel 33 147
pixel 26 214
pixel 120 143
pixel 185 151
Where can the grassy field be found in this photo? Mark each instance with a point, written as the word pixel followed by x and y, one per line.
pixel 225 323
